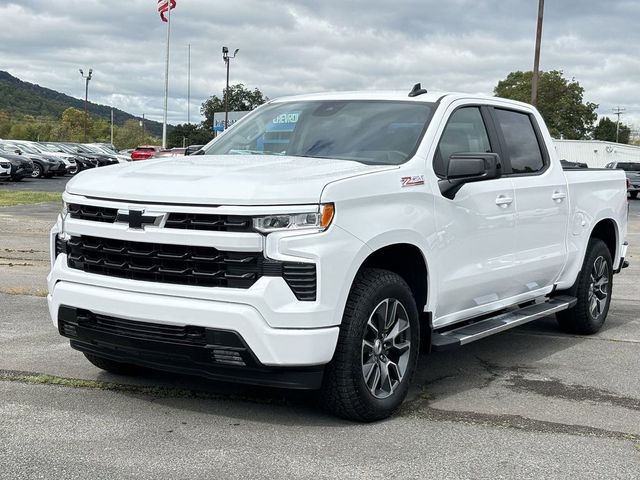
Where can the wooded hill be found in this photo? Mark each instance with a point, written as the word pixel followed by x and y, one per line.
pixel 18 98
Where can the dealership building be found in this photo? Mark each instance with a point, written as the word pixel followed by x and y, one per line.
pixel 596 153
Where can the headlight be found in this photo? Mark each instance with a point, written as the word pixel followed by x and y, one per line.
pixel 318 220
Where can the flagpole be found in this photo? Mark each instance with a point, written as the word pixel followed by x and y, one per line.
pixel 166 79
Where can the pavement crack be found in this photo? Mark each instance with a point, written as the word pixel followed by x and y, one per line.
pixel 557 389
pixel 419 408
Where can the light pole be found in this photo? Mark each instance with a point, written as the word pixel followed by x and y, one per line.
pixel 227 58
pixel 86 97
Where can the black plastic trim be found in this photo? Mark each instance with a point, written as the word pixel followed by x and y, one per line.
pixel 180 356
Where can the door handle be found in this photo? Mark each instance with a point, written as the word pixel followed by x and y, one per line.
pixel 504 201
pixel 558 196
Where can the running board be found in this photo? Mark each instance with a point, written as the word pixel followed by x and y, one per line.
pixel 470 333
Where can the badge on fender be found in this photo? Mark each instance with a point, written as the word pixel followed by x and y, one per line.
pixel 412 181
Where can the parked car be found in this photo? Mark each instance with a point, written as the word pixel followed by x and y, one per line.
pixel 21 167
pixel 43 166
pixel 5 169
pixel 632 171
pixel 173 152
pixel 69 160
pixel 568 164
pixel 144 152
pixel 102 158
pixel 83 162
pixel 191 149
pixel 320 240
pixel 103 149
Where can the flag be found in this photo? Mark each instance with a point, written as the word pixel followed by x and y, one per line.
pixel 164 6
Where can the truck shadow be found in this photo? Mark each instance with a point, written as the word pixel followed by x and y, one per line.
pixel 439 375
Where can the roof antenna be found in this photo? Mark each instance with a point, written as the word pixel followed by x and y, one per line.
pixel 417 90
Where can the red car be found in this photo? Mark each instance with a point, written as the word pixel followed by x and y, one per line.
pixel 144 152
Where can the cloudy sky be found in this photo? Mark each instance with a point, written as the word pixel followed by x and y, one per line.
pixel 288 47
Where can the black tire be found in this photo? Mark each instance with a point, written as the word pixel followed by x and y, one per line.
pixel 37 170
pixel 345 392
pixel 112 366
pixel 633 194
pixel 589 313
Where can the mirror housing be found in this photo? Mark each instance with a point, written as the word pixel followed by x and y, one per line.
pixel 467 168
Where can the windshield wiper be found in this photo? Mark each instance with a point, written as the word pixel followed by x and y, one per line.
pixel 252 152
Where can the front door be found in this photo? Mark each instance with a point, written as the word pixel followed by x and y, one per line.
pixel 475 241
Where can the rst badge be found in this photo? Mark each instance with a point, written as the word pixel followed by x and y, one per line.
pixel 412 181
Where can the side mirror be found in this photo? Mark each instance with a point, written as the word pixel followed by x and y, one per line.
pixel 19 152
pixel 467 168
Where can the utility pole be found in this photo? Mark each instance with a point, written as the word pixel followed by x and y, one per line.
pixel 86 98
pixel 227 58
pixel 618 111
pixel 536 59
pixel 189 88
pixel 112 126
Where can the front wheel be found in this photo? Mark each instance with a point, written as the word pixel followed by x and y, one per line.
pixel 377 349
pixel 593 291
pixel 37 171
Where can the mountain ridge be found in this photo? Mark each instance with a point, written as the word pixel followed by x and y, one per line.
pixel 18 97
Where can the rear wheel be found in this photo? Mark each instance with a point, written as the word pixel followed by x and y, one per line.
pixel 377 349
pixel 112 366
pixel 593 291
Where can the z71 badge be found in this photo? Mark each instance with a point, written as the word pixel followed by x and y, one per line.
pixel 412 181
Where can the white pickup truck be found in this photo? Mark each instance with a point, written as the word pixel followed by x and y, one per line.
pixel 323 239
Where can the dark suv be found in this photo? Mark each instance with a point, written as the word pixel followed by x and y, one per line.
pixel 632 170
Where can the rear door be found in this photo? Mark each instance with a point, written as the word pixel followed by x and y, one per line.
pixel 541 200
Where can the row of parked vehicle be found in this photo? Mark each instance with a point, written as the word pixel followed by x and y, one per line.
pixel 21 158
pixel 145 152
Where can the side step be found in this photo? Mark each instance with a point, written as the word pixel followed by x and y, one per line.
pixel 470 333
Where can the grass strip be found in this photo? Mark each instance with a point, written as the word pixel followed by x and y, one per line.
pixel 26 197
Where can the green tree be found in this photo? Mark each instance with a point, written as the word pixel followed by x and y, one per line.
pixel 130 135
pixel 241 99
pixel 606 130
pixel 560 102
pixel 188 134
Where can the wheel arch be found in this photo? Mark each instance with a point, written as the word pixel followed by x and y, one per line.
pixel 607 231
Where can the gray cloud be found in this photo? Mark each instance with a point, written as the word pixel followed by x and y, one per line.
pixel 290 47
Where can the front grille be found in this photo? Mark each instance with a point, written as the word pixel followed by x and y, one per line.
pixel 179 264
pixel 91 213
pixel 217 223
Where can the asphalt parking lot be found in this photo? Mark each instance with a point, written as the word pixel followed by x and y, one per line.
pixel 53 184
pixel 529 403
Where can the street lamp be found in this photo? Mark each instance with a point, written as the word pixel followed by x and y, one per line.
pixel 86 97
pixel 227 58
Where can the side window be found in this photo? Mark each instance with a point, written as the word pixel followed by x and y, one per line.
pixel 521 141
pixel 465 133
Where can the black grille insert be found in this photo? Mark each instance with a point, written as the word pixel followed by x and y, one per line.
pixel 217 223
pixel 91 213
pixel 184 265
pixel 179 264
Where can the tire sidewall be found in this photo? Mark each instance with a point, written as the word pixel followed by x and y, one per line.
pixel 37 171
pixel 597 248
pixel 358 323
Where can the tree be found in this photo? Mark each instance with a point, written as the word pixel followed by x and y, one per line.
pixel 606 130
pixel 241 99
pixel 560 102
pixel 130 135
pixel 189 134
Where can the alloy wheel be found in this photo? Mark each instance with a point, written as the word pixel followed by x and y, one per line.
pixel 386 348
pixel 599 287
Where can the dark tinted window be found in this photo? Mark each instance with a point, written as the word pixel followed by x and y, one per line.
pixel 465 133
pixel 629 166
pixel 521 141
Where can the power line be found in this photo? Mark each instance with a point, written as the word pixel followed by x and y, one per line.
pixel 618 111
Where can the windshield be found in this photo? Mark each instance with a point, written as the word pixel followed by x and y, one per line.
pixel 372 132
pixel 26 148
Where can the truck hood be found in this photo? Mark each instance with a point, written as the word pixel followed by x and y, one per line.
pixel 219 180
